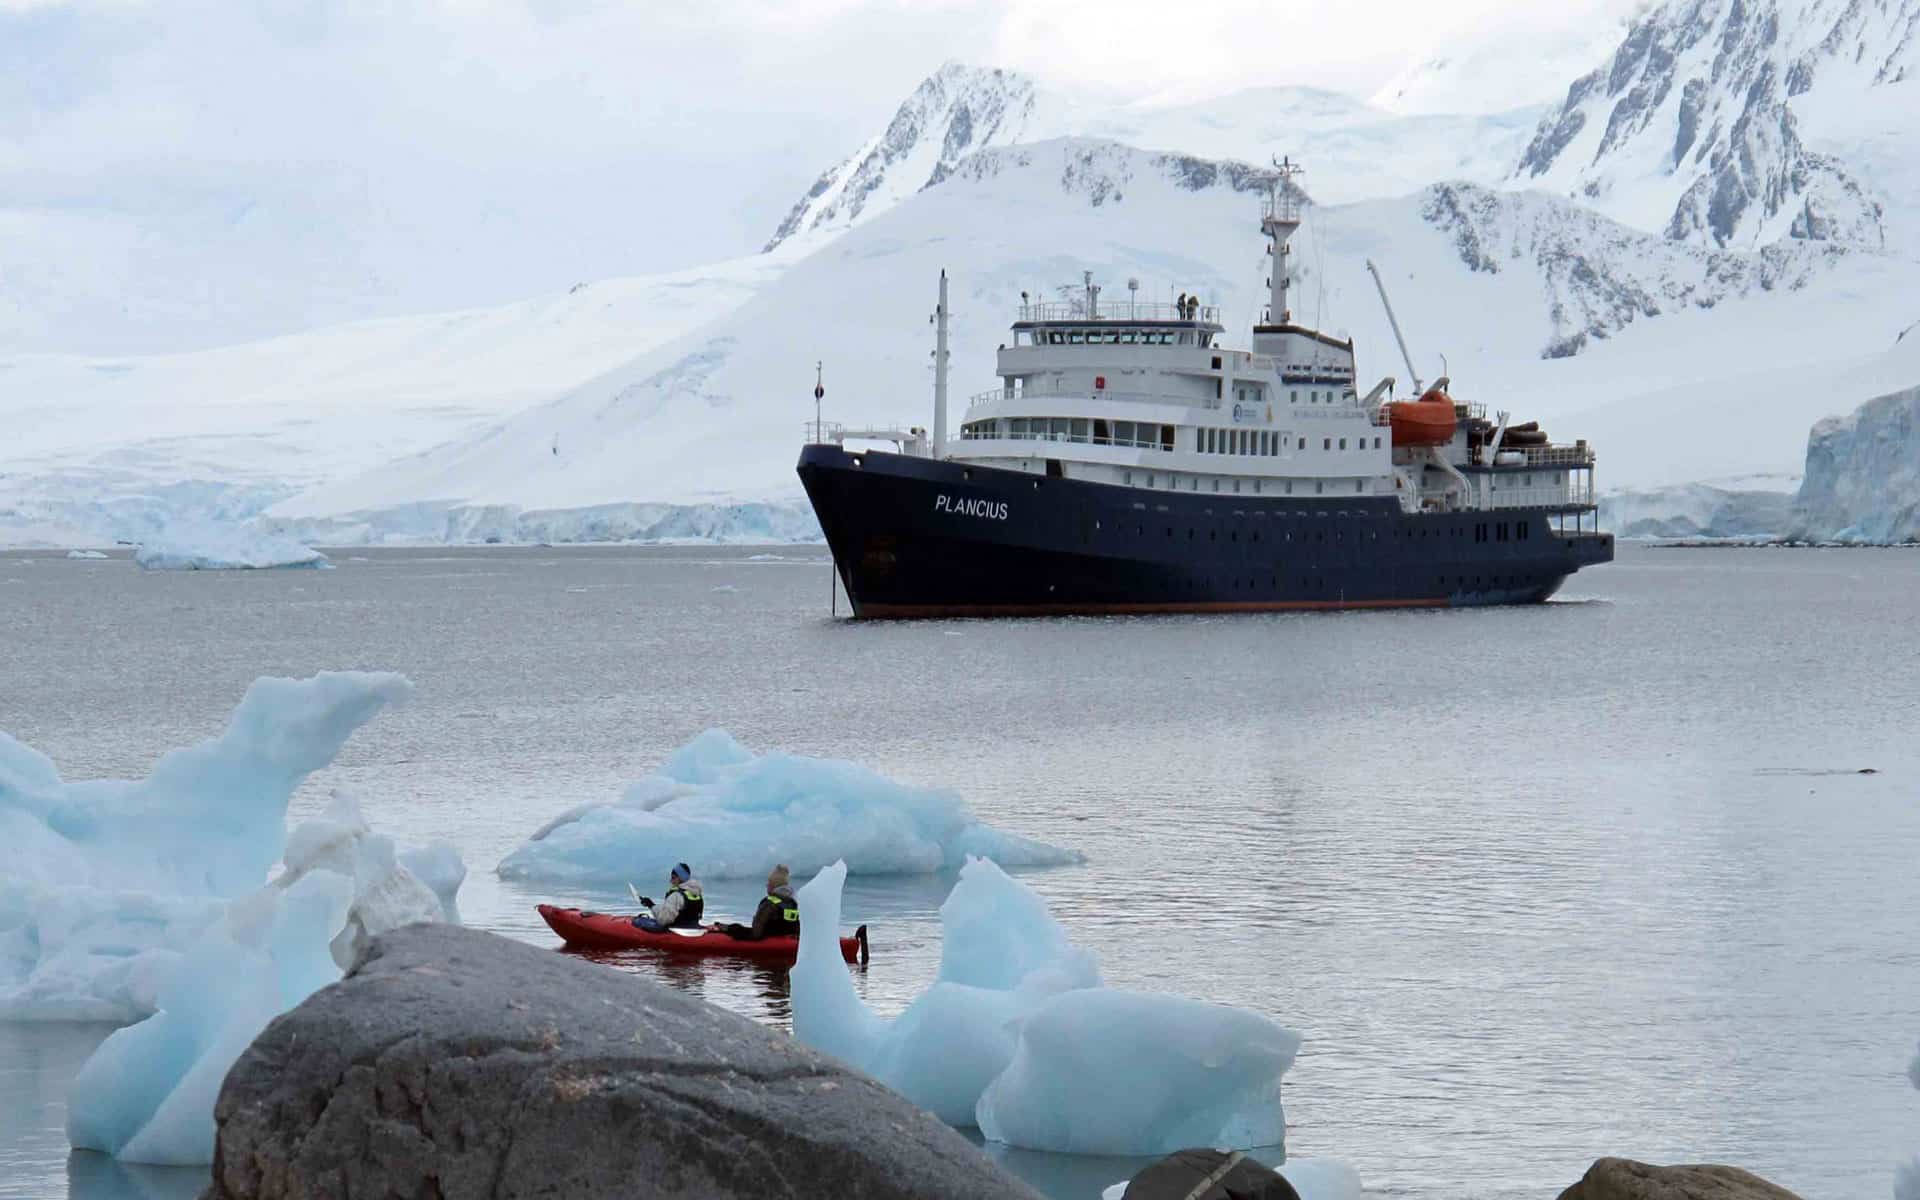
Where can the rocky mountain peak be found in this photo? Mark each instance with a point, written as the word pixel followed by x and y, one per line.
pixel 1691 127
pixel 955 111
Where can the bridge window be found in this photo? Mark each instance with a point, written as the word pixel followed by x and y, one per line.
pixel 1326 443
pixel 1343 443
pixel 1303 444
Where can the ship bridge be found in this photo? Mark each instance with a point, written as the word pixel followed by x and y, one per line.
pixel 1095 322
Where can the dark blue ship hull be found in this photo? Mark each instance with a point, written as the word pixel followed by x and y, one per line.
pixel 913 537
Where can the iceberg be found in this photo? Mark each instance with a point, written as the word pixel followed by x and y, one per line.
pixel 210 546
pixel 386 892
pixel 1104 1071
pixel 208 950
pixel 1017 1036
pixel 85 554
pixel 104 884
pixel 147 1094
pixel 734 814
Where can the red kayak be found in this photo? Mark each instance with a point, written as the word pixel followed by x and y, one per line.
pixel 610 931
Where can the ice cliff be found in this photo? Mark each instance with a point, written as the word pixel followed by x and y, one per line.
pixel 233 546
pixel 1697 510
pixel 1017 1036
pixel 1863 475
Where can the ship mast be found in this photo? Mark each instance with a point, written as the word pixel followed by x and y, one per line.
pixel 1281 220
pixel 940 373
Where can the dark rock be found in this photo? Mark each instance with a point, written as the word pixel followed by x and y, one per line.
pixel 1624 1179
pixel 454 1063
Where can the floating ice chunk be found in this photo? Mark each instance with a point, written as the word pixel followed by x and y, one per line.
pixel 1002 958
pixel 439 866
pixel 386 894
pixel 212 546
pixel 1322 1179
pixel 85 554
pixel 147 1093
pixel 1102 1071
pixel 1017 1036
pixel 734 814
pixel 104 883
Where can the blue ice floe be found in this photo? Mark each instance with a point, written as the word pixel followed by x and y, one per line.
pixel 1017 1035
pixel 130 899
pixel 734 814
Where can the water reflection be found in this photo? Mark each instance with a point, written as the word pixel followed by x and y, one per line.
pixel 93 1176
pixel 1082 1175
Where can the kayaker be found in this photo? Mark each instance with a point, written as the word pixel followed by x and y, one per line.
pixel 682 906
pixel 778 914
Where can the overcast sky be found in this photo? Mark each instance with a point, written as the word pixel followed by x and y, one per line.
pixel 541 140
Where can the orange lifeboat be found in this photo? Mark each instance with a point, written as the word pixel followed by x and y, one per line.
pixel 1428 421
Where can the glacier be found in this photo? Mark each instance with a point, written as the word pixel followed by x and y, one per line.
pixel 734 814
pixel 222 547
pixel 1017 1035
pixel 104 884
pixel 1863 475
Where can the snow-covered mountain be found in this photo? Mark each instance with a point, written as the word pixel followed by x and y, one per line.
pixel 672 406
pixel 1743 122
pixel 1356 151
pixel 1522 291
pixel 98 448
pixel 1523 58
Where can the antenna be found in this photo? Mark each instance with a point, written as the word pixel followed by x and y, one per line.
pixel 819 392
pixel 1282 218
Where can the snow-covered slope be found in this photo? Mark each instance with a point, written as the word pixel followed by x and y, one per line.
pixel 1697 126
pixel 1522 58
pixel 1355 151
pixel 1523 291
pixel 104 448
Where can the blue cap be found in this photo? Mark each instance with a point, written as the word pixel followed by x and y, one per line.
pixel 682 872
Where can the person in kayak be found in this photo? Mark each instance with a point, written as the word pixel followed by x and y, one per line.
pixel 681 908
pixel 778 914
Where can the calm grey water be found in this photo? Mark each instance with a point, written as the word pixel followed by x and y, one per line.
pixel 1596 877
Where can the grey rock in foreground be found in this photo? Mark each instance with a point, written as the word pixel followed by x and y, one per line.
pixel 1624 1179
pixel 454 1063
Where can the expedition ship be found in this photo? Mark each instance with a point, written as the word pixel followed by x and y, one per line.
pixel 1130 463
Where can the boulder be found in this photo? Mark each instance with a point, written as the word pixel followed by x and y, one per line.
pixel 1624 1179
pixel 455 1063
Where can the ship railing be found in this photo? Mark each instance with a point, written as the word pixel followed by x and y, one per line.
pixel 1580 455
pixel 1115 310
pixel 1138 441
pixel 1207 401
pixel 1382 418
